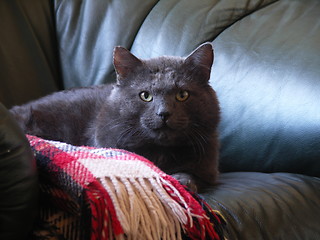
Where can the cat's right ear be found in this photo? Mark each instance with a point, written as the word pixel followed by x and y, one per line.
pixel 124 62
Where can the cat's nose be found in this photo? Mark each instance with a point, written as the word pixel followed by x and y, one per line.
pixel 164 115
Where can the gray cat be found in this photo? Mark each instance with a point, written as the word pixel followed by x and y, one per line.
pixel 162 108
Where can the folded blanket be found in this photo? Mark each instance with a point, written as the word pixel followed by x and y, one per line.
pixel 97 193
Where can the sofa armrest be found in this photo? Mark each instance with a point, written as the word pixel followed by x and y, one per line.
pixel 18 180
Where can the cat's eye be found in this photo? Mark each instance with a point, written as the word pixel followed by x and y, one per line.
pixel 146 96
pixel 182 96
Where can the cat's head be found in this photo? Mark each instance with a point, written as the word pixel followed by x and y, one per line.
pixel 166 100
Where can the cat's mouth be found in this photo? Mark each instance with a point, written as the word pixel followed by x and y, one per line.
pixel 165 135
pixel 163 127
pixel 163 132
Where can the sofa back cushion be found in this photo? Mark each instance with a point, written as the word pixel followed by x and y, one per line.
pixel 267 75
pixel 29 64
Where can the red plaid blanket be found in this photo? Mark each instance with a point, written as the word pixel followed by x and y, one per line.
pixel 90 193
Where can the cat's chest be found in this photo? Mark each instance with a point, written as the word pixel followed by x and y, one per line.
pixel 170 159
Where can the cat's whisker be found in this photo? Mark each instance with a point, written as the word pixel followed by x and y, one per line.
pixel 193 145
pixel 131 134
pixel 116 123
pixel 124 136
pixel 202 134
pixel 200 139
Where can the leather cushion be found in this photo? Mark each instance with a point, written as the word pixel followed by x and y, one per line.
pixel 266 74
pixel 29 66
pixel 268 206
pixel 18 181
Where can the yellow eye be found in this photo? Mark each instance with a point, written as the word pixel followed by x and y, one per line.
pixel 182 96
pixel 146 96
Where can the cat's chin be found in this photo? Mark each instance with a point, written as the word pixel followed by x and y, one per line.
pixel 165 137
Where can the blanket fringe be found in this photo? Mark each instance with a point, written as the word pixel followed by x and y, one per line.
pixel 144 209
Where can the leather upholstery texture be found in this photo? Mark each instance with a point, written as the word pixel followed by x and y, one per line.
pixel 267 206
pixel 266 73
pixel 18 180
pixel 267 80
pixel 28 51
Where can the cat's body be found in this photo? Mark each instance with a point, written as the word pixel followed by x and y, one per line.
pixel 162 109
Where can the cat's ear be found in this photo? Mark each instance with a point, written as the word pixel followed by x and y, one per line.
pixel 124 62
pixel 201 60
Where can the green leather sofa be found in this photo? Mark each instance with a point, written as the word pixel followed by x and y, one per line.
pixel 266 74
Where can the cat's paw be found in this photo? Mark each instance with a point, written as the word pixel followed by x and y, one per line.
pixel 187 180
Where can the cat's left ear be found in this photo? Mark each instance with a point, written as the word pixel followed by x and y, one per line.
pixel 201 59
pixel 124 62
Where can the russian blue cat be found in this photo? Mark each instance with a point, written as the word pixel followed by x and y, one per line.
pixel 162 108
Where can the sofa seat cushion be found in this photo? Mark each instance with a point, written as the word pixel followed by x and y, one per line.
pixel 268 206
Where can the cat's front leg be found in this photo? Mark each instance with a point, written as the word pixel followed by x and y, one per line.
pixel 187 180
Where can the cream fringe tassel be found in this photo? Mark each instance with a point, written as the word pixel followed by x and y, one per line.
pixel 145 209
pixel 143 205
